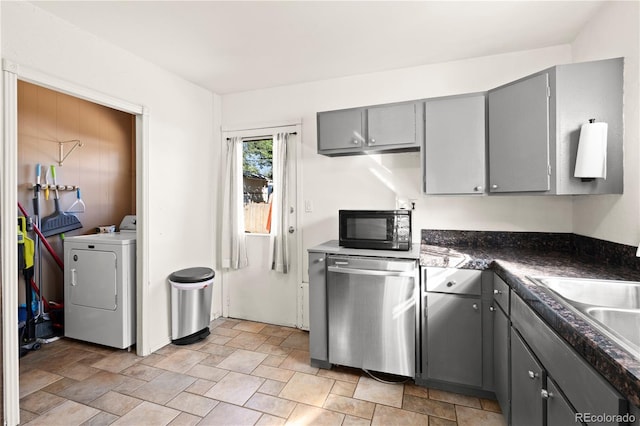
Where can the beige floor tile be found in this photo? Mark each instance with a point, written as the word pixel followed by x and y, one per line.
pixel 207 372
pixel 343 374
pixel 35 380
pixel 185 419
pixel 200 386
pixel 438 421
pixel 142 372
pixel 273 349
pixel 40 402
pixel 129 385
pixel 115 403
pixel 250 326
pixel 297 340
pixel 431 407
pixel 308 389
pixel 192 404
pixel 357 421
pixel 271 405
pixel 273 340
pixel 58 386
pixel 213 360
pixel 274 360
pixel 415 390
pixel 69 413
pixel 299 361
pixel 92 388
pixel 353 407
pixel 390 416
pixel 235 388
pixel 226 332
pixel 343 388
pixel 220 340
pixel 276 331
pixel 163 388
pixel 249 341
pixel 490 405
pixel 304 415
pixel 101 419
pixel 473 417
pixel 152 359
pixel 148 413
pixel 381 393
pixel 271 387
pixel 77 371
pixel 227 414
pixel 217 349
pixel 273 373
pixel 269 420
pixel 455 398
pixel 117 361
pixel 242 361
pixel 182 360
pixel 27 416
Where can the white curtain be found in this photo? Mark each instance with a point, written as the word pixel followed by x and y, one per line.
pixel 280 205
pixel 234 249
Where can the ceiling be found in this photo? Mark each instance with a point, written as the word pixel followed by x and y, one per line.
pixel 233 46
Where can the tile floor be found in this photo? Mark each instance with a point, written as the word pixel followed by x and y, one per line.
pixel 244 373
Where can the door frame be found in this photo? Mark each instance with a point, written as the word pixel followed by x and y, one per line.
pixel 263 129
pixel 12 72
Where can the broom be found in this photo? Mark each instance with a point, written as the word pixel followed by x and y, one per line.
pixel 58 222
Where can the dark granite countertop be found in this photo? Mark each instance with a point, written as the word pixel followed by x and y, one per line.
pixel 556 255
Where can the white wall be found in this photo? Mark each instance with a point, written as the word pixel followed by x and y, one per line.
pixel 375 181
pixel 182 157
pixel 614 32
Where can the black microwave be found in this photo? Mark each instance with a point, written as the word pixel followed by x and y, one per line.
pixel 375 229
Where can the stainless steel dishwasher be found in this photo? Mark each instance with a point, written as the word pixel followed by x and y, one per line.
pixel 372 313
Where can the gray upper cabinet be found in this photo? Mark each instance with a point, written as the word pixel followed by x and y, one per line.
pixel 534 128
pixel 454 154
pixel 382 128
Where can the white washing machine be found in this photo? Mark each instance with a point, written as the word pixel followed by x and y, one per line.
pixel 100 287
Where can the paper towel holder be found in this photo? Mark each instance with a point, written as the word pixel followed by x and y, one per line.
pixel 591 156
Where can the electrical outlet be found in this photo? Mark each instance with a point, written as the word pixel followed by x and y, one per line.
pixel 308 206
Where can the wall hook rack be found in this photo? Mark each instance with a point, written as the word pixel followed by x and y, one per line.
pixel 61 156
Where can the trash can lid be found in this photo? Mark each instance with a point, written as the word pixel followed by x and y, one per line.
pixel 192 275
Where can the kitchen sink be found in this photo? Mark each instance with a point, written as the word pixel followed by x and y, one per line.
pixel 611 306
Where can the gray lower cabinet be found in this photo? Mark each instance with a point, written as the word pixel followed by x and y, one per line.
pixel 318 333
pixel 393 127
pixel 501 373
pixel 550 382
pixel 454 339
pixel 453 159
pixel 526 385
pixel 534 128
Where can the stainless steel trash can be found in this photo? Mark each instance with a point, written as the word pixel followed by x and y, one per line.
pixel 190 304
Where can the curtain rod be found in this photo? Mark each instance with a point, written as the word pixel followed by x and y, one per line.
pixel 265 136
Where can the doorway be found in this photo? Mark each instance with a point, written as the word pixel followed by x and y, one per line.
pixel 8 203
pixel 256 292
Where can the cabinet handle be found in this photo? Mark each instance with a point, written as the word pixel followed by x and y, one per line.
pixel 492 309
pixel 451 283
pixel 320 260
pixel 494 186
pixel 477 188
pixel 475 306
pixel 372 141
pixel 356 141
pixel 497 291
pixel 545 394
pixel 532 375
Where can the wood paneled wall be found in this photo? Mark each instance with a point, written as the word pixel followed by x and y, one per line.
pixel 103 167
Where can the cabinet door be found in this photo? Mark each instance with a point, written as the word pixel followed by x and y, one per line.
pixel 519 136
pixel 559 411
pixel 341 130
pixel 501 360
pixel 93 279
pixel 454 339
pixel 526 385
pixel 318 307
pixel 394 124
pixel 454 154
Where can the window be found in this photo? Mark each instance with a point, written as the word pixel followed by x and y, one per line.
pixel 257 179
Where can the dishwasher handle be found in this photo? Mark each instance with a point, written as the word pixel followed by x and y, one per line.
pixel 370 272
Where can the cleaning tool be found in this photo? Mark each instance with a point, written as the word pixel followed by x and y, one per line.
pixel 25 263
pixel 58 222
pixel 78 205
pixel 44 241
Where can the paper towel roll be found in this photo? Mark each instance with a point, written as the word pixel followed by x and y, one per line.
pixel 591 161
